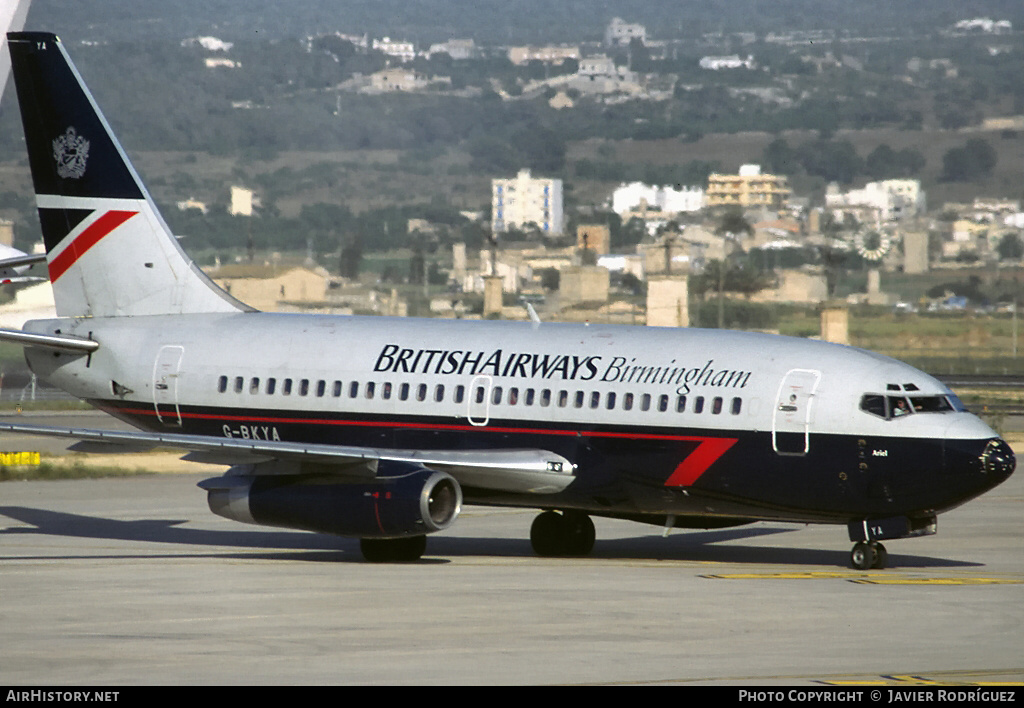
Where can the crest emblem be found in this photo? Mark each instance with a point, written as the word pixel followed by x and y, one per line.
pixel 70 152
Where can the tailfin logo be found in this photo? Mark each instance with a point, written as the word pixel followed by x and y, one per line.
pixel 71 152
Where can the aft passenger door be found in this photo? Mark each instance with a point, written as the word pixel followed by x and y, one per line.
pixel 794 410
pixel 165 385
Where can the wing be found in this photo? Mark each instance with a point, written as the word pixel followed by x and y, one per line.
pixel 513 470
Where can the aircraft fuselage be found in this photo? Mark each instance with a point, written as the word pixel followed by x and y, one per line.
pixel 657 423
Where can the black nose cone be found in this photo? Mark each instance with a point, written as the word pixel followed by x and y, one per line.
pixel 998 460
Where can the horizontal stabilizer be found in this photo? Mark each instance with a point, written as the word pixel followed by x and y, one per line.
pixel 62 343
pixel 20 261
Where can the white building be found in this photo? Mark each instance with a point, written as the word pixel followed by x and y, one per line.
pixel 598 74
pixel 525 200
pixel 455 48
pixel 891 199
pixel 242 201
pixel 732 61
pixel 620 33
pixel 629 197
pixel 404 51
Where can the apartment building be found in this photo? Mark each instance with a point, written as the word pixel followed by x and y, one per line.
pixel 525 200
pixel 620 33
pixel 749 188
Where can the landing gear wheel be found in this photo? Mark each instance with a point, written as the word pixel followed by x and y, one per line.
pixel 569 534
pixel 393 550
pixel 881 556
pixel 863 556
pixel 580 534
pixel 547 534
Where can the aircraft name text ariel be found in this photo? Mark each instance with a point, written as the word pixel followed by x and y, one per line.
pixel 566 367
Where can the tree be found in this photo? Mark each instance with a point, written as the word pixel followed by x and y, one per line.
pixel 975 160
pixel 1010 247
pixel 732 224
pixel 351 258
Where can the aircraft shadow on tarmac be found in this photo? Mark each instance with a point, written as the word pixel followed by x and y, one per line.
pixel 699 546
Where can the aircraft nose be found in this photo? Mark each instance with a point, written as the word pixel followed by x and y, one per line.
pixel 998 460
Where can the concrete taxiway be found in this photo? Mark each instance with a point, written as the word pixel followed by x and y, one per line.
pixel 134 581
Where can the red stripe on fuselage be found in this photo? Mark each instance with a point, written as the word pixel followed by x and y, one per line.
pixel 686 473
pixel 698 461
pixel 92 235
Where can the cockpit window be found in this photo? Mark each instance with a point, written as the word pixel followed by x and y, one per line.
pixel 890 407
pixel 930 404
pixel 957 404
pixel 873 404
pixel 898 407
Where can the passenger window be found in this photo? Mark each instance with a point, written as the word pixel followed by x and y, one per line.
pixel 496 395
pixel 698 404
pixel 480 393
pixel 287 388
pixel 336 389
pixel 545 397
pixel 271 385
pixel 681 404
pixel 737 404
pixel 385 391
pixel 627 401
pixel 563 399
pixel 421 392
pixel 595 399
pixel 513 396
pixel 578 399
pixel 239 382
pixel 371 389
pixel 222 384
pixel 304 387
pixel 530 393
pixel 439 393
pixel 321 388
pixel 663 403
pixel 353 389
pixel 403 392
pixel 460 393
pixel 716 405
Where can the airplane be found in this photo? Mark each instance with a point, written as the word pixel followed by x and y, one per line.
pixel 14 263
pixel 382 428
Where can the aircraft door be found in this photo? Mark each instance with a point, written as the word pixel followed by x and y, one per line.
pixel 478 409
pixel 794 411
pixel 166 370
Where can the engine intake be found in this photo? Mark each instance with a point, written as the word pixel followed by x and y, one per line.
pixel 410 501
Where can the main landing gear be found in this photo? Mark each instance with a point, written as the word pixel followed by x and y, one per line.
pixel 868 555
pixel 569 533
pixel 393 550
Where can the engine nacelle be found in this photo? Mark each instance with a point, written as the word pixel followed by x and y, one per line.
pixel 413 502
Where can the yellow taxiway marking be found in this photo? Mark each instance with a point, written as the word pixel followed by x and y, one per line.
pixel 896 580
pixel 867 578
pixel 941 678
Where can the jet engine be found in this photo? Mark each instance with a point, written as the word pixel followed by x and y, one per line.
pixel 410 501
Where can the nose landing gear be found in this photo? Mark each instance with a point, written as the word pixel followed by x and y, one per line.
pixel 868 555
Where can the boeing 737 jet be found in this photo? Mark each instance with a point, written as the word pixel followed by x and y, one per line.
pixel 382 428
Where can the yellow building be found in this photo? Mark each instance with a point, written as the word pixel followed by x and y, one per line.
pixel 749 188
pixel 273 288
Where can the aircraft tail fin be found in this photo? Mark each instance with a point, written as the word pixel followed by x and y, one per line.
pixel 109 251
